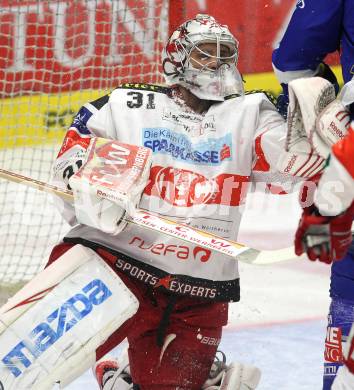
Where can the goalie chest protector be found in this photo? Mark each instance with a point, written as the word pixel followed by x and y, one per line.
pixel 200 174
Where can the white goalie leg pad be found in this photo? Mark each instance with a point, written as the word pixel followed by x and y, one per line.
pixel 236 376
pixel 50 330
pixel 114 374
pixel 344 379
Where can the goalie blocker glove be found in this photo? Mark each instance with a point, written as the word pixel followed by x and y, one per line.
pixel 110 184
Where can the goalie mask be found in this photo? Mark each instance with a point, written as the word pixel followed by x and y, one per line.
pixel 201 55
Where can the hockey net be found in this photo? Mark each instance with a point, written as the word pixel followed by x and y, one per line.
pixel 55 56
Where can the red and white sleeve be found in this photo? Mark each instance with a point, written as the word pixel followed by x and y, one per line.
pixel 336 187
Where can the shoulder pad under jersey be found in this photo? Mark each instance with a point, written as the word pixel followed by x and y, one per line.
pixel 100 102
pixel 146 87
pixel 269 95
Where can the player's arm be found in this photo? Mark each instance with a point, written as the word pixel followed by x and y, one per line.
pixel 313 32
pixel 72 153
pixel 336 187
pixel 324 230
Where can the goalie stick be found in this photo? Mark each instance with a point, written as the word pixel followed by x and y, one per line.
pixel 163 225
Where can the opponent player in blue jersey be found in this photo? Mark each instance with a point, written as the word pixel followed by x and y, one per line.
pixel 316 29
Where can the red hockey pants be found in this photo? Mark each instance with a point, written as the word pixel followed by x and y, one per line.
pixel 193 327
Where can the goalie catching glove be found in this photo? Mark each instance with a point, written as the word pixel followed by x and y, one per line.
pixel 110 184
pixel 316 121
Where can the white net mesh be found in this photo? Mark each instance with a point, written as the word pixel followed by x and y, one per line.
pixel 55 56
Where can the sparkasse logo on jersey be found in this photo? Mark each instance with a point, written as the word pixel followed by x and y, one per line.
pixel 210 151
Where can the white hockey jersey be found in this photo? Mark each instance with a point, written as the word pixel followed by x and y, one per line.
pixel 202 167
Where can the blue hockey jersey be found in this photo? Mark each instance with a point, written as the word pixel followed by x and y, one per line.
pixel 316 29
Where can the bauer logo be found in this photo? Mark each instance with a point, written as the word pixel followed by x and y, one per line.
pixel 210 151
pixel 54 326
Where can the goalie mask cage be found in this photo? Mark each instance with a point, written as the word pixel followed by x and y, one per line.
pixel 54 57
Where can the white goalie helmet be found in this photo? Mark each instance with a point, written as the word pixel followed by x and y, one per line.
pixel 215 75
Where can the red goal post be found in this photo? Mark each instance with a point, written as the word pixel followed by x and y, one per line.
pixel 55 56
